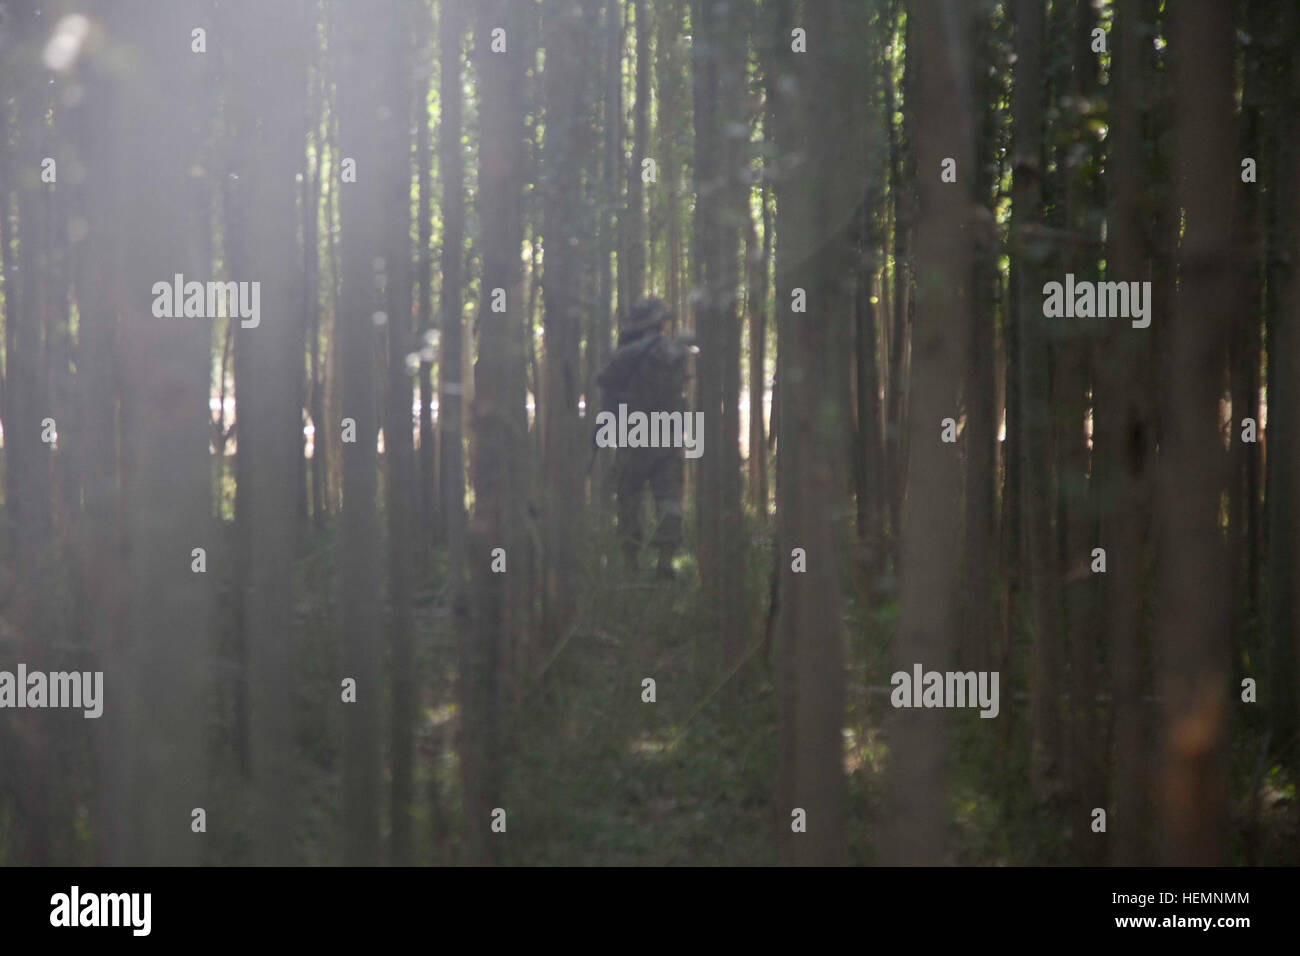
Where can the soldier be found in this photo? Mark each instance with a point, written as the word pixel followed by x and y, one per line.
pixel 647 372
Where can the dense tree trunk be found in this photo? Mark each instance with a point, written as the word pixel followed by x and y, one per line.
pixel 313 192
pixel 272 412
pixel 901 188
pixel 931 516
pixel 1123 440
pixel 756 262
pixel 27 407
pixel 495 528
pixel 426 473
pixel 1073 387
pixel 98 281
pixel 451 361
pixel 398 452
pixel 565 82
pixel 719 72
pixel 1283 336
pixel 157 674
pixel 1192 617
pixel 981 392
pixel 808 201
pixel 1246 354
pixel 360 94
pixel 1046 658
pixel 634 222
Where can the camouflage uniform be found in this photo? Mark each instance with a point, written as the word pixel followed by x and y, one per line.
pixel 647 373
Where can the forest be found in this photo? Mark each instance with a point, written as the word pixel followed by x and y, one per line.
pixel 973 540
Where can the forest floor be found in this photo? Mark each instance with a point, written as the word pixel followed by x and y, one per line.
pixel 595 775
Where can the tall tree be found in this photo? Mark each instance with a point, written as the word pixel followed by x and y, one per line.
pixel 1281 289
pixel 981 391
pixel 757 258
pixel 398 451
pixel 903 192
pixel 451 167
pixel 100 291
pixel 1073 386
pixel 1246 345
pixel 719 75
pixel 634 221
pixel 495 531
pixel 272 410
pixel 1034 440
pixel 361 45
pixel 1123 436
pixel 1192 620
pixel 27 412
pixel 564 89
pixel 312 194
pixel 609 231
pixel 812 194
pixel 931 515
pixel 157 673
pixel 427 471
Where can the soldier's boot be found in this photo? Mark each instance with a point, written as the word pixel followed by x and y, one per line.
pixel 630 550
pixel 664 569
pixel 667 537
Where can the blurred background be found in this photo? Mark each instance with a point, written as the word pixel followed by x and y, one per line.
pixel 279 541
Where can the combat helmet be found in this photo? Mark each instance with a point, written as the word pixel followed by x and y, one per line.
pixel 646 316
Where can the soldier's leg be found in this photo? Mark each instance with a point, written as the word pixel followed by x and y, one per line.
pixel 627 488
pixel 667 486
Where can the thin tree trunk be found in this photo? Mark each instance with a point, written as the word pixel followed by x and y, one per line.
pixel 313 193
pixel 756 301
pixel 362 47
pixel 1123 442
pixel 719 64
pixel 271 415
pixel 426 474
pixel 451 360
pixel 28 464
pixel 981 392
pixel 901 185
pixel 566 50
pixel 1046 664
pixel 494 532
pixel 398 453
pixel 634 224
pixel 1075 489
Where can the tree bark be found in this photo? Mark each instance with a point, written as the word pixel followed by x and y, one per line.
pixel 398 451
pixel 361 44
pixel 1192 621
pixel 931 516
pixel 271 413
pixel 565 80
pixel 451 359
pixel 811 689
